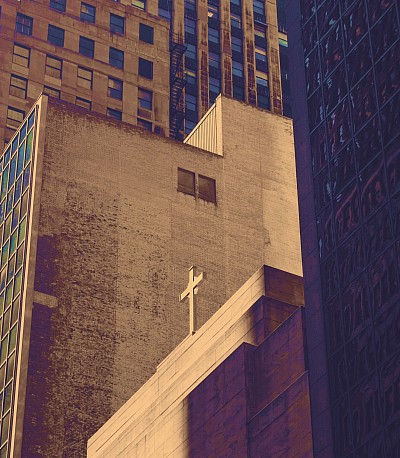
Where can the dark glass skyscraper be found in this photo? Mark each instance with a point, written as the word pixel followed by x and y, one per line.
pixel 345 56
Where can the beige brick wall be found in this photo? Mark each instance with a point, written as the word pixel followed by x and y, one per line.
pixel 115 241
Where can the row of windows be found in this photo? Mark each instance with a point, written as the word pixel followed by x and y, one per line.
pixel 24 25
pixel 18 86
pixel 88 11
pixel 21 56
pixel 205 188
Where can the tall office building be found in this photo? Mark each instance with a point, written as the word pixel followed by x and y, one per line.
pixel 123 59
pixel 105 56
pixel 100 222
pixel 228 47
pixel 346 115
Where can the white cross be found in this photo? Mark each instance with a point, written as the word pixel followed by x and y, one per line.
pixel 190 292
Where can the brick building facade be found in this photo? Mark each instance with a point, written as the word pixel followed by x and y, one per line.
pixel 108 57
pixel 101 222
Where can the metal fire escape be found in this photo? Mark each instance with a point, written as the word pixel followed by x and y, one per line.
pixel 177 83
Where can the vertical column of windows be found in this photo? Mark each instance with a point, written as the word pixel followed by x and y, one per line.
pixel 260 44
pixel 214 56
pixel 237 49
pixel 190 65
pixel 15 171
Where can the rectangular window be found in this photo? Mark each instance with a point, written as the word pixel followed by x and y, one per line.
pixel 55 35
pixel 190 102
pixel 117 24
pixel 21 55
pixel 189 126
pixel 18 86
pixel 186 181
pixel 52 92
pixel 53 67
pixel 213 36
pixel 145 99
pixel 214 88
pixel 24 24
pixel 146 68
pixel 58 5
pixel 236 21
pixel 146 33
pixel 141 4
pixel 207 189
pixel 260 37
pixel 191 78
pixel 164 9
pixel 116 114
pixel 237 69
pixel 85 78
pixel 14 117
pixel 261 61
pixel 190 7
pixel 191 51
pixel 262 92
pixel 88 13
pixel 237 44
pixel 83 103
pixel 213 60
pixel 145 124
pixel 213 11
pixel 86 47
pixel 190 26
pixel 259 7
pixel 116 58
pixel 115 88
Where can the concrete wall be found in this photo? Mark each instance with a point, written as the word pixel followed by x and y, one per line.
pixel 207 397
pixel 115 240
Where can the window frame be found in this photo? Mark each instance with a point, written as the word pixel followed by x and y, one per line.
pixel 55 70
pixel 143 33
pixel 82 46
pixel 82 78
pixel 84 102
pixel 23 58
pixel 114 27
pixel 145 124
pixel 53 37
pixel 181 187
pixel 141 70
pixel 26 28
pixel 88 16
pixel 51 91
pixel 205 196
pixel 58 5
pixel 18 88
pixel 112 60
pixel 140 4
pixel 112 91
pixel 143 103
pixel 114 114
pixel 16 110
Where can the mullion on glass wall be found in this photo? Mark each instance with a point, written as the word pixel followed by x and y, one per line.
pixel 190 65
pixel 15 168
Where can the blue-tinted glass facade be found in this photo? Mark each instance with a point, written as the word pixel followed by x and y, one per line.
pixel 16 169
pixel 352 74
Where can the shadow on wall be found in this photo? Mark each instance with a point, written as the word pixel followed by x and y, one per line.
pixel 256 403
